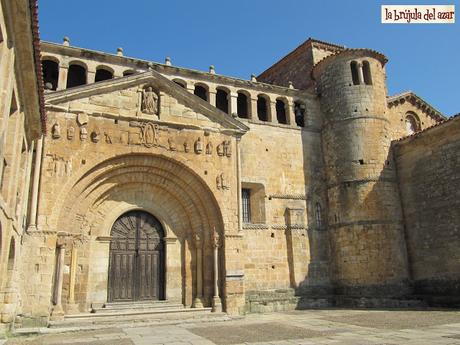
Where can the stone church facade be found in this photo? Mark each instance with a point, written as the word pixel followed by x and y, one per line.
pixel 306 186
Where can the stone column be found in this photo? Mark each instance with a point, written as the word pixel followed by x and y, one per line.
pixel 62 81
pixel 238 184
pixel 72 307
pixel 290 113
pixel 212 96
pixel 216 302
pixel 58 312
pixel 198 300
pixel 253 114
pixel 35 185
pixel 233 104
pixel 360 73
pixel 91 76
pixel 272 113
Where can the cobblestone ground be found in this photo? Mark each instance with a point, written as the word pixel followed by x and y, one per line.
pixel 350 327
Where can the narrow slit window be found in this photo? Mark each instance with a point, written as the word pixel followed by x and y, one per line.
pixel 246 198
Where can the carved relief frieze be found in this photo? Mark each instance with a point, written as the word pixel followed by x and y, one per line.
pixel 172 144
pixel 186 146
pixel 58 166
pixel 56 131
pixel 83 133
pixel 95 135
pixel 221 182
pixel 198 146
pixel 209 148
pixel 148 135
pixel 70 132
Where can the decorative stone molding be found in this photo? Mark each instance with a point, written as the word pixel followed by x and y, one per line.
pixel 288 196
pixel 248 226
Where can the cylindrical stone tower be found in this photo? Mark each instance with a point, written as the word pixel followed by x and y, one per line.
pixel 368 251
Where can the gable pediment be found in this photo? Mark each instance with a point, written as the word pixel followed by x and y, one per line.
pixel 137 95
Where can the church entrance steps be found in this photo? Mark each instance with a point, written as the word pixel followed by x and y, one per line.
pixel 117 307
pixel 135 318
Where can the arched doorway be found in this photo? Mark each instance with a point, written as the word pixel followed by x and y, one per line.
pixel 136 264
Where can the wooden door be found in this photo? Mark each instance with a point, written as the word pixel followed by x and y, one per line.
pixel 136 266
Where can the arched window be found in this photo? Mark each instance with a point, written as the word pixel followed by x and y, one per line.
pixel 262 108
pixel 201 92
pixel 128 72
pixel 354 72
pixel 180 82
pixel 222 100
pixel 103 74
pixel 367 73
pixel 412 123
pixel 299 111
pixel 318 216
pixel 76 76
pixel 50 74
pixel 281 111
pixel 242 105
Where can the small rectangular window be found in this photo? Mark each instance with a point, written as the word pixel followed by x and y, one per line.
pixel 246 198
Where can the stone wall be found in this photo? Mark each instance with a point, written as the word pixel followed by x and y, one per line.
pixel 428 169
pixel 286 249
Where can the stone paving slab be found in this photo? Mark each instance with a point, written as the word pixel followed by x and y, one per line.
pixel 261 332
pixel 308 327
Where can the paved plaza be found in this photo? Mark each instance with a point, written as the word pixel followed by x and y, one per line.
pixel 340 327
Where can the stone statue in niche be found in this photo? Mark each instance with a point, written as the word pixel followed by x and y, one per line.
pixel 95 136
pixel 83 133
pixel 149 101
pixel 220 150
pixel 221 182
pixel 209 148
pixel 70 133
pixel 172 144
pixel 150 134
pixel 198 146
pixel 186 146
pixel 108 138
pixel 227 148
pixel 56 131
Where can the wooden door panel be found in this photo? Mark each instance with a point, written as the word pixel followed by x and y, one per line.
pixel 136 258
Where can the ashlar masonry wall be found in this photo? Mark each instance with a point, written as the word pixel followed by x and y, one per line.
pixel 429 179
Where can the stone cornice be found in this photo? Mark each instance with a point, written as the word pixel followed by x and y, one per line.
pixel 416 101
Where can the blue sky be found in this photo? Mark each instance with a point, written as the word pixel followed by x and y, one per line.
pixel 241 37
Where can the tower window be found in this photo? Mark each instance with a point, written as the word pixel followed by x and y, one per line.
pixel 246 201
pixel 354 72
pixel 103 74
pixel 367 73
pixel 242 105
pixel 50 74
pixel 262 110
pixel 222 100
pixel 76 76
pixel 201 92
pixel 299 111
pixel 281 111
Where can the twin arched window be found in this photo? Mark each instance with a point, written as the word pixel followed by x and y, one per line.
pixel 361 72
